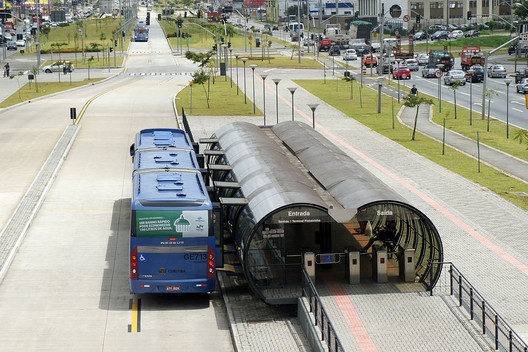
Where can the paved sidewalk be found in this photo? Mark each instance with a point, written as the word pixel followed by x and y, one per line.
pixel 499 160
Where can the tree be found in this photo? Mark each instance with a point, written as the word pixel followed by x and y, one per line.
pixel 17 76
pixel 521 136
pixel 350 79
pixel 489 93
pixel 58 46
pixel 521 10
pixel 200 76
pixel 415 101
pixel 454 87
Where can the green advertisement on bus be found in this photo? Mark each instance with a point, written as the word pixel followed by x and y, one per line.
pixel 172 223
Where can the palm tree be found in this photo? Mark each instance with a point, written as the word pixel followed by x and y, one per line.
pixel 412 101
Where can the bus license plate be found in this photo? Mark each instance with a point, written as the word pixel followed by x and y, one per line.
pixel 173 288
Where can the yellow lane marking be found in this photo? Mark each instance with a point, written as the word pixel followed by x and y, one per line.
pixel 134 327
pixel 97 96
pixel 227 267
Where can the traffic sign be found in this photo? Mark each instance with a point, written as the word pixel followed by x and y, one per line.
pixel 364 70
pixel 406 18
pixel 250 37
pixel 438 73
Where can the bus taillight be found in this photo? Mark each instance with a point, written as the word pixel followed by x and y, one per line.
pixel 134 264
pixel 210 263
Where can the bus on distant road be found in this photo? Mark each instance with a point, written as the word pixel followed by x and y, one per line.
pixel 172 243
pixel 141 33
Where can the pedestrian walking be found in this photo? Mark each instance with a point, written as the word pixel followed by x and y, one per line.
pixel 64 67
pixel 414 90
pixel 6 69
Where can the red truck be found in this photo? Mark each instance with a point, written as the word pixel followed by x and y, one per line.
pixel 325 45
pixel 471 55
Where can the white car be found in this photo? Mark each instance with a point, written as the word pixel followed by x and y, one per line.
pixel 457 33
pixel 412 64
pixel 423 59
pixel 350 54
pixel 455 76
pixel 57 67
pixel 21 43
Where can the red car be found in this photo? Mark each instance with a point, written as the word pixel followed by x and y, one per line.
pixel 402 72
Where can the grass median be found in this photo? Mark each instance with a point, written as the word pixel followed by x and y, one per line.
pixel 30 92
pixel 223 100
pixel 95 63
pixel 453 160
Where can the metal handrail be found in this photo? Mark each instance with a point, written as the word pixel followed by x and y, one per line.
pixel 321 317
pixel 492 324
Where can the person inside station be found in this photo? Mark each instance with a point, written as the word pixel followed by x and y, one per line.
pixel 387 234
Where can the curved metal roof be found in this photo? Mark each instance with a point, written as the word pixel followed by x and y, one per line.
pixel 266 176
pixel 346 180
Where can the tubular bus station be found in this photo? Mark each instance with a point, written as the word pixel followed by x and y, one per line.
pixel 290 198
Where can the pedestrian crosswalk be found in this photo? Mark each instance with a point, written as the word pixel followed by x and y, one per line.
pixel 149 52
pixel 160 74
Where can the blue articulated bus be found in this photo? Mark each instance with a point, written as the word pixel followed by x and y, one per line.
pixel 172 242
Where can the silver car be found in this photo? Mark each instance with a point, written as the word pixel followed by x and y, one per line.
pixel 428 72
pixel 453 76
pixel 497 71
pixel 412 64
pixel 423 59
pixel 522 87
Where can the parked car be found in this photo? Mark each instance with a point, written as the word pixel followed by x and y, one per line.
pixel 439 35
pixel 420 36
pixel 334 51
pixel 350 54
pixel 428 72
pixel 423 59
pixel 522 86
pixel 457 33
pixel 472 33
pixel 475 74
pixel 412 64
pixel 57 67
pixel 522 73
pixel 401 72
pixel 497 71
pixel 369 60
pixel 11 45
pixel 453 76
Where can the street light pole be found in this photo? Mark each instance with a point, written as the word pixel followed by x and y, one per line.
pixel 313 107
pixel 292 91
pixel 471 71
pixel 398 62
pixel 276 81
pixel 253 74
pixel 236 56
pixel 231 65
pixel 380 85
pixel 440 66
pixel 264 94
pixel 244 59
pixel 507 81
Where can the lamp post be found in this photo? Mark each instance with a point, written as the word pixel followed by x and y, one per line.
pixel 292 91
pixel 253 69
pixel 313 107
pixel 276 81
pixel 398 62
pixel 380 85
pixel 236 56
pixel 244 59
pixel 471 71
pixel 231 65
pixel 440 66
pixel 264 94
pixel 226 59
pixel 507 81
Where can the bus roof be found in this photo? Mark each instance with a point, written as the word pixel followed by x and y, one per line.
pixel 170 190
pixel 162 138
pixel 165 159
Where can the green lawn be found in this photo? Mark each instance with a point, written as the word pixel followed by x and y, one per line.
pixel 93 31
pixel 220 93
pixel 456 45
pixel 29 92
pixel 453 160
pixel 97 62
